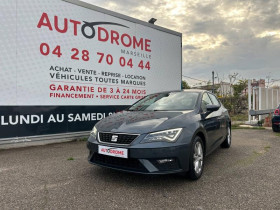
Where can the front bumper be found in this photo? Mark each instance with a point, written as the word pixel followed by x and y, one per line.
pixel 276 122
pixel 154 159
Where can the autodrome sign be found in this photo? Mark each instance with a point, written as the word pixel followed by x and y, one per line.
pixel 61 63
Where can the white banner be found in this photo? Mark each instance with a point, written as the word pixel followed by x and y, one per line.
pixel 57 53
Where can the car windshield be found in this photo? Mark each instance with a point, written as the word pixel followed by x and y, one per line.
pixel 170 101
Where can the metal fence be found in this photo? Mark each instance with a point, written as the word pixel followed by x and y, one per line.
pixel 262 100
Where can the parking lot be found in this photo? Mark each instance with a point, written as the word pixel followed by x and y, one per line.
pixel 58 176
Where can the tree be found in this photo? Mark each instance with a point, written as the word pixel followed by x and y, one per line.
pixel 185 85
pixel 237 102
pixel 239 87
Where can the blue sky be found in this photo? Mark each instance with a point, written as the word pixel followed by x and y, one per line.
pixel 225 36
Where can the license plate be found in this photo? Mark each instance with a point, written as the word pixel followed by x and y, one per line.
pixel 112 151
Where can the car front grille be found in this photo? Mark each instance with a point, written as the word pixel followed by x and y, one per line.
pixel 116 162
pixel 117 139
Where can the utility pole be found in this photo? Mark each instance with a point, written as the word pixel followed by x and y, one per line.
pixel 213 87
pixel 268 78
pixel 249 99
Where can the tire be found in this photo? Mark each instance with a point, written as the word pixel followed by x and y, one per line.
pixel 227 141
pixel 196 159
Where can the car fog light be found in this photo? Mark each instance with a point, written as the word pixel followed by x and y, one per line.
pixel 165 160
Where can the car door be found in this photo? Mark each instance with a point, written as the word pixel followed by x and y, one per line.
pixel 210 122
pixel 222 131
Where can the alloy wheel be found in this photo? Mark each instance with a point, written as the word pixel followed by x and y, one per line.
pixel 229 136
pixel 198 157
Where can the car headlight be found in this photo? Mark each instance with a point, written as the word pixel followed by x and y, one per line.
pixel 166 135
pixel 94 132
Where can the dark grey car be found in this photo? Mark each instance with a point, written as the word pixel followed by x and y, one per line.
pixel 168 132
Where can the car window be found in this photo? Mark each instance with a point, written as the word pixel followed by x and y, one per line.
pixel 205 101
pixel 169 101
pixel 214 100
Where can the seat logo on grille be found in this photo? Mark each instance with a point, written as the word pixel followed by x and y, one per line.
pixel 114 138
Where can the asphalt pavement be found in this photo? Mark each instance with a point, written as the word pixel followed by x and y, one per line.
pixel 58 176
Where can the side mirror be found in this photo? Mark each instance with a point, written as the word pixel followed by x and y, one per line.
pixel 212 108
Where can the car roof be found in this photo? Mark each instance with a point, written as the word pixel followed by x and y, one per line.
pixel 194 90
pixel 184 90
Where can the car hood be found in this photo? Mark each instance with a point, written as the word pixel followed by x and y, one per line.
pixel 140 122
